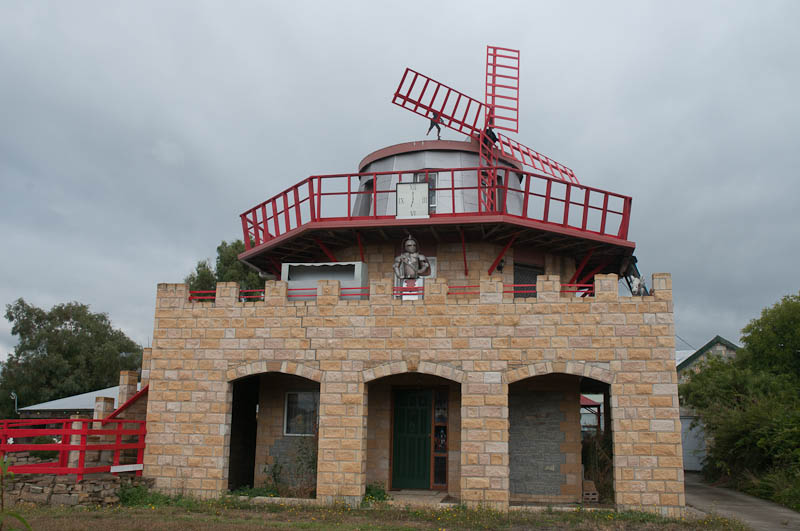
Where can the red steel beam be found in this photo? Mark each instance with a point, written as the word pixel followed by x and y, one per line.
pixel 503 252
pixel 593 272
pixel 360 246
pixel 325 250
pixel 581 266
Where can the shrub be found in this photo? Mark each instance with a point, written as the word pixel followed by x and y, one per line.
pixel 44 454
pixel 375 493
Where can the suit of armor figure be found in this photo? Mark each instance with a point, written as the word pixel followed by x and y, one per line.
pixel 410 263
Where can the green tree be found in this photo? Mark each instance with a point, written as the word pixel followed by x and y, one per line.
pixel 65 351
pixel 772 342
pixel 227 268
pixel 750 407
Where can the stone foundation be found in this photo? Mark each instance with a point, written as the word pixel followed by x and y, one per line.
pixel 46 489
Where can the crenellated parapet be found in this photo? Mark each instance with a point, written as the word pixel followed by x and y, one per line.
pixel 487 290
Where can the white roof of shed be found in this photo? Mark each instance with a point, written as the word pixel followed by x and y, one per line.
pixel 82 401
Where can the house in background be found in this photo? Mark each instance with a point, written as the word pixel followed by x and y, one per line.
pixel 692 435
pixel 719 346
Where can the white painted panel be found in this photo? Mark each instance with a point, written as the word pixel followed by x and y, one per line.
pixel 127 468
pixel 694 444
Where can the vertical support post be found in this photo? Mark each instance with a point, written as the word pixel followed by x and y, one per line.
pixel 546 215
pixel 375 195
pixel 526 196
pixel 604 214
pixel 566 205
pixel 118 442
pixel 585 208
pixel 286 217
pixel 245 233
pixel 341 461
pixel 63 454
pixel 626 215
pixel 312 199
pixel 360 246
pixel 262 227
pixel 505 192
pixel 142 431
pixel 275 219
pixel 453 191
pixel 297 216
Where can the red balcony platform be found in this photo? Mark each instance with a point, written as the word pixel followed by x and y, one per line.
pixel 311 220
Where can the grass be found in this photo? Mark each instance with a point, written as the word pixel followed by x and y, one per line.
pixel 143 509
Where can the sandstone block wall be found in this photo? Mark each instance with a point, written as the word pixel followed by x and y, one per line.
pixel 482 344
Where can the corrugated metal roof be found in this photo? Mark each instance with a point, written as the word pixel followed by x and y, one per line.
pixel 82 401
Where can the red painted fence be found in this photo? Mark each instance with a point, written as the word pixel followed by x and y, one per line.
pixel 73 440
pixel 535 197
pixel 522 290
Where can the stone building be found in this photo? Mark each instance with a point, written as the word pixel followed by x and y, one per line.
pixel 693 436
pixel 466 380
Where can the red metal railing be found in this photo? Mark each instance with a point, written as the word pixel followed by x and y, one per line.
pixel 201 295
pixel 75 437
pixel 459 290
pixel 584 290
pixel 398 291
pixel 291 293
pixel 529 289
pixel 361 291
pixel 251 294
pixel 518 194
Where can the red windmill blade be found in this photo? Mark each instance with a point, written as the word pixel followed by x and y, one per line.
pixel 438 102
pixel 532 159
pixel 502 88
pixel 422 95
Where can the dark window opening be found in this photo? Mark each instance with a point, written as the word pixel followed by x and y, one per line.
pixel 525 280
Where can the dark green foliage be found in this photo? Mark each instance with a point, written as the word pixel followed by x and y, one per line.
pixel 228 268
pixel 65 351
pixel 750 407
pixel 374 492
pixel 44 454
pixel 772 342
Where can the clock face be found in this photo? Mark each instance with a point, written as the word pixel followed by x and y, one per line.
pixel 412 200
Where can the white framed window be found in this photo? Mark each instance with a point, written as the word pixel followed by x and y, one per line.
pixel 300 413
pixel 431 178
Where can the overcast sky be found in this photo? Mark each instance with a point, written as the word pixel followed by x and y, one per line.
pixel 132 135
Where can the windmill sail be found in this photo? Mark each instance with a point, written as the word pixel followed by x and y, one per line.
pixel 534 160
pixel 502 88
pixel 420 94
pixel 433 100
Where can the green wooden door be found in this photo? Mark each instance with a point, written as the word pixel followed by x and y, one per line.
pixel 411 448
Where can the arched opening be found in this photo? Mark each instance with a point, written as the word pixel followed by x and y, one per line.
pixel 274 435
pixel 414 433
pixel 557 447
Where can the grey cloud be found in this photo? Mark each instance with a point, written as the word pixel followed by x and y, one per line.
pixel 133 135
